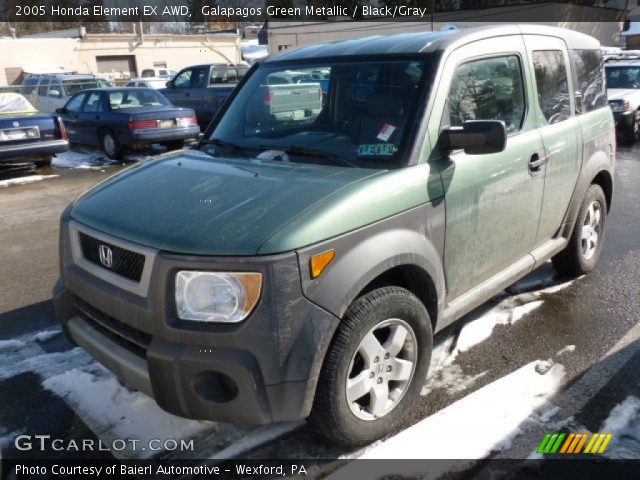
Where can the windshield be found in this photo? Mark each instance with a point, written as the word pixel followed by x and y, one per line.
pixel 71 87
pixel 136 98
pixel 623 77
pixel 354 113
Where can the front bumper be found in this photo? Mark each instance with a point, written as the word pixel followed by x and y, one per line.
pixel 261 370
pixel 33 149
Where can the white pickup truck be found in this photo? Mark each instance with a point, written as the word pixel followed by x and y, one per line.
pixel 623 93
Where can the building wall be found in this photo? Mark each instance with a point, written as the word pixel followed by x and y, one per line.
pixel 594 22
pixel 80 54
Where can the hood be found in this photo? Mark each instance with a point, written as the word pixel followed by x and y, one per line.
pixel 194 204
pixel 621 93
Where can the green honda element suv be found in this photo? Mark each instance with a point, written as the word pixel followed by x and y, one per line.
pixel 298 261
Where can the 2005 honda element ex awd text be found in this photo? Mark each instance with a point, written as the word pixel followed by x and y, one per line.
pixel 298 261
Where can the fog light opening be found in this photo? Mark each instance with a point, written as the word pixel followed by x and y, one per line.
pixel 215 387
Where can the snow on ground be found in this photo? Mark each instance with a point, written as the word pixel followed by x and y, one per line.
pixel 471 428
pixel 567 349
pixel 115 412
pixel 24 180
pixel 624 423
pixel 82 159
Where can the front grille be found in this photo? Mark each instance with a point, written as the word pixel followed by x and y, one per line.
pixel 124 335
pixel 123 262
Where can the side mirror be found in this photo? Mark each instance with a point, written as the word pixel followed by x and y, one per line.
pixel 475 137
pixel 169 84
pixel 55 93
pixel 61 111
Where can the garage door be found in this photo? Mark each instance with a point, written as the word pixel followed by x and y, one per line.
pixel 125 64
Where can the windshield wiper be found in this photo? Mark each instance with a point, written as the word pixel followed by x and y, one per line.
pixel 221 143
pixel 312 152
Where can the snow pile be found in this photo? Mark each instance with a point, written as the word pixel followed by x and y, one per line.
pixel 46 335
pixel 624 423
pixel 471 428
pixel 24 180
pixel 80 159
pixel 113 411
pixel 11 344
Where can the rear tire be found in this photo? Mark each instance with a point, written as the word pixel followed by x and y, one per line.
pixel 581 254
pixel 375 368
pixel 174 145
pixel 111 145
pixel 43 162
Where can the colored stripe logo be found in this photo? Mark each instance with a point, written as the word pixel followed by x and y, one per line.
pixel 594 443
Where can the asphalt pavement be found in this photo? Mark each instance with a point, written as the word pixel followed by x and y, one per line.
pixel 588 325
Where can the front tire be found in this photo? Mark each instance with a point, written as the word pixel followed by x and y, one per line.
pixel 110 145
pixel 581 254
pixel 632 133
pixel 375 368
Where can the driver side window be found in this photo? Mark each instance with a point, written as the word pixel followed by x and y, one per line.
pixel 183 79
pixel 487 89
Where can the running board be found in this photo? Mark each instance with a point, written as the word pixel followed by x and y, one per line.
pixel 484 291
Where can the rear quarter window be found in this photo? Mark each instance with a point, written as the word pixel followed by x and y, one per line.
pixel 589 80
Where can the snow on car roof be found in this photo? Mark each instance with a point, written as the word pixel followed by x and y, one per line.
pixel 14 103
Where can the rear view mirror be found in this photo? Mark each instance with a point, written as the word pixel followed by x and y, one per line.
pixel 475 137
pixel 55 93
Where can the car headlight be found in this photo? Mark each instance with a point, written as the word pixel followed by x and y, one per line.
pixel 225 297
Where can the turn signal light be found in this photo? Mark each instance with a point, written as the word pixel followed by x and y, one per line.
pixel 319 262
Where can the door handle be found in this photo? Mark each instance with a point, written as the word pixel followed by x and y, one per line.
pixel 97 117
pixel 536 161
pixel 187 94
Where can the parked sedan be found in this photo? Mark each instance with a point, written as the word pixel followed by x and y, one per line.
pixel 119 118
pixel 26 133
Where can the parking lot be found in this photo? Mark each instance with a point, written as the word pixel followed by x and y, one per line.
pixel 546 354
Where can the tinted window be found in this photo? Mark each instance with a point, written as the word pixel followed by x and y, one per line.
pixel 94 103
pixel 589 81
pixel 553 88
pixel 623 77
pixel 183 80
pixel 56 85
pixel 42 89
pixel 488 89
pixel 71 87
pixel 75 103
pixel 138 98
pixel 29 86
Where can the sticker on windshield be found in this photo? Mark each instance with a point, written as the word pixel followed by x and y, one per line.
pixel 385 132
pixel 370 149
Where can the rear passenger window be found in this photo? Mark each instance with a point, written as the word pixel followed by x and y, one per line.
pixel 553 87
pixel 589 81
pixel 488 89
pixel 94 103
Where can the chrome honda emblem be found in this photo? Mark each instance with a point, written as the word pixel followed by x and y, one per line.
pixel 106 256
pixel 16 124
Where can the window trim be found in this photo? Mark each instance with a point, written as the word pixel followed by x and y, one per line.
pixel 489 56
